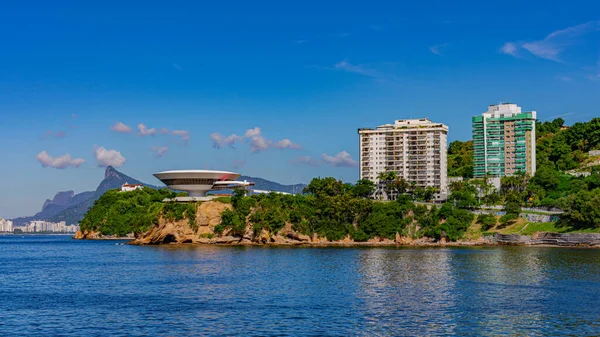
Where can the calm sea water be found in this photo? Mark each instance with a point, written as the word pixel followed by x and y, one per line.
pixel 55 286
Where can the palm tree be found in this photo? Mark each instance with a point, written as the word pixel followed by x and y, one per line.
pixel 387 178
pixel 430 192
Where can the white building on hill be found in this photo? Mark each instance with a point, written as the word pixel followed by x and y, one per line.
pixel 131 187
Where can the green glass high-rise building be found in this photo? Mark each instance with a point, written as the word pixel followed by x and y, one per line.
pixel 504 141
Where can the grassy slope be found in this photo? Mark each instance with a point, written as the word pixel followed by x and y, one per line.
pixel 523 227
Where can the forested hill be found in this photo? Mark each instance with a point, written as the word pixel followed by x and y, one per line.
pixel 567 176
pixel 559 147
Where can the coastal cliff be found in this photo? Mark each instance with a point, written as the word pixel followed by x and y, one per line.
pixel 203 229
pixel 208 216
pixel 329 213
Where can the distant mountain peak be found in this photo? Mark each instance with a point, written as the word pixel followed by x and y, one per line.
pixel 60 199
pixel 111 172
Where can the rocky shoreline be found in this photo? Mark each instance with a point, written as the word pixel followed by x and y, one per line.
pixel 543 239
pixel 202 231
pixel 92 235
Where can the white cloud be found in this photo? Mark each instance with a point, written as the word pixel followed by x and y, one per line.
pixel 120 128
pixel 183 134
pixel 258 143
pixel 252 132
pixel 159 151
pixel 306 160
pixel 357 69
pixel 436 49
pixel 342 159
pixel 220 141
pixel 61 162
pixel 106 157
pixel 551 47
pixel 164 131
pixel 380 72
pixel 255 138
pixel 509 48
pixel 145 131
pixel 287 144
pixel 562 115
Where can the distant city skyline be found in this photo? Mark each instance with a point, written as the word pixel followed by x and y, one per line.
pixel 274 91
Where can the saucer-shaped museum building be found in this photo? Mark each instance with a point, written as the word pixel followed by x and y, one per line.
pixel 198 182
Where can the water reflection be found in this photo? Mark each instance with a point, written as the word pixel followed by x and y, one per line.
pixel 409 291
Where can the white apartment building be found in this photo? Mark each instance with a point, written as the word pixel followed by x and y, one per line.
pixel 416 149
pixel 6 225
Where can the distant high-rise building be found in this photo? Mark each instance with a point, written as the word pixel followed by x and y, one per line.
pixel 6 225
pixel 413 148
pixel 504 141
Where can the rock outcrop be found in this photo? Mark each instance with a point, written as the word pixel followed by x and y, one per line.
pixel 550 239
pixel 208 215
pixel 95 235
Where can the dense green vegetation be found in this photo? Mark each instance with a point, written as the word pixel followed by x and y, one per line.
pixel 116 213
pixel 395 186
pixel 460 159
pixel 336 210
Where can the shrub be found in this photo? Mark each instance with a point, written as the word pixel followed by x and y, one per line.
pixel 508 218
pixel 360 236
pixel 487 221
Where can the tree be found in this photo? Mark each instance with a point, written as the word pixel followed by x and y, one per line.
pixel 582 210
pixel 430 192
pixel 546 177
pixel 388 179
pixel 512 203
pixel 464 195
pixel 364 188
pixel 326 186
pixel 387 176
pixel 460 159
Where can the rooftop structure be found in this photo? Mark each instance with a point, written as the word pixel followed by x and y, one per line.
pixel 413 148
pixel 131 187
pixel 504 141
pixel 198 182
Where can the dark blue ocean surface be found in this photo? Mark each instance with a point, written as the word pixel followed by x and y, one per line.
pixel 55 286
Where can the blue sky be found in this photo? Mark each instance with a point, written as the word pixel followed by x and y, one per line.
pixel 306 74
